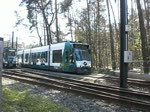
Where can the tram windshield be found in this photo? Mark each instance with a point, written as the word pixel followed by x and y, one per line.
pixel 9 53
pixel 82 52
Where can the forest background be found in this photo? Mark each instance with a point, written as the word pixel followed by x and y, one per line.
pixel 96 23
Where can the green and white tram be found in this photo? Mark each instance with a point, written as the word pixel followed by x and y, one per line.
pixel 65 56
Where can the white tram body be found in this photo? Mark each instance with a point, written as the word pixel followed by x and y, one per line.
pixel 65 56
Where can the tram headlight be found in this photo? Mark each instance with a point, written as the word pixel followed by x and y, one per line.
pixel 6 62
pixel 78 65
pixel 90 64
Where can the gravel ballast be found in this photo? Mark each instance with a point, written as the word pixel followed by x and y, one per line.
pixel 75 103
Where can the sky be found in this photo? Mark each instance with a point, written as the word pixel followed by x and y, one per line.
pixel 8 20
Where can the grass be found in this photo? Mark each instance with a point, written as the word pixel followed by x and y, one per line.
pixel 15 101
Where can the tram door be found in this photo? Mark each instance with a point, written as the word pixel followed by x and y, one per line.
pixel 69 62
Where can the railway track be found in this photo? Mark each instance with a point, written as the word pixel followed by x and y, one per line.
pixel 138 82
pixel 140 99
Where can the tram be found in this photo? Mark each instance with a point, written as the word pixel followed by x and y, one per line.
pixel 9 57
pixel 73 57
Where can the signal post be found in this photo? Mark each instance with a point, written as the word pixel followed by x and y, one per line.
pixel 1 66
pixel 125 55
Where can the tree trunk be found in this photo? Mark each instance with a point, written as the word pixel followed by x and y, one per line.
pixel 89 23
pixel 98 34
pixel 147 11
pixel 46 22
pixel 143 37
pixel 95 40
pixel 49 31
pixel 117 39
pixel 56 12
pixel 111 40
pixel 89 30
pixel 131 33
pixel 40 38
pixel 71 28
pixel 44 35
pixel 37 30
pixel 70 24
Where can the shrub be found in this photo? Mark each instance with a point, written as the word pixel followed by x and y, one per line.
pixel 15 101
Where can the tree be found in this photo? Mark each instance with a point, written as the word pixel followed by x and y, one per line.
pixel 145 51
pixel 89 22
pixel 111 39
pixel 33 22
pixel 116 35
pixel 39 7
pixel 44 9
pixel 98 34
pixel 147 13
pixel 65 8
pixel 56 14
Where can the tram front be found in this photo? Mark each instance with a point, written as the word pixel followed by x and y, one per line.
pixel 82 56
pixel 9 58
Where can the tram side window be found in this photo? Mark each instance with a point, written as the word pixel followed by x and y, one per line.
pixel 34 57
pixel 26 57
pixel 19 56
pixel 46 55
pixel 57 56
pixel 42 54
pixel 38 55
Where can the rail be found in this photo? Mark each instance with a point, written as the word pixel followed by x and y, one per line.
pixel 84 88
